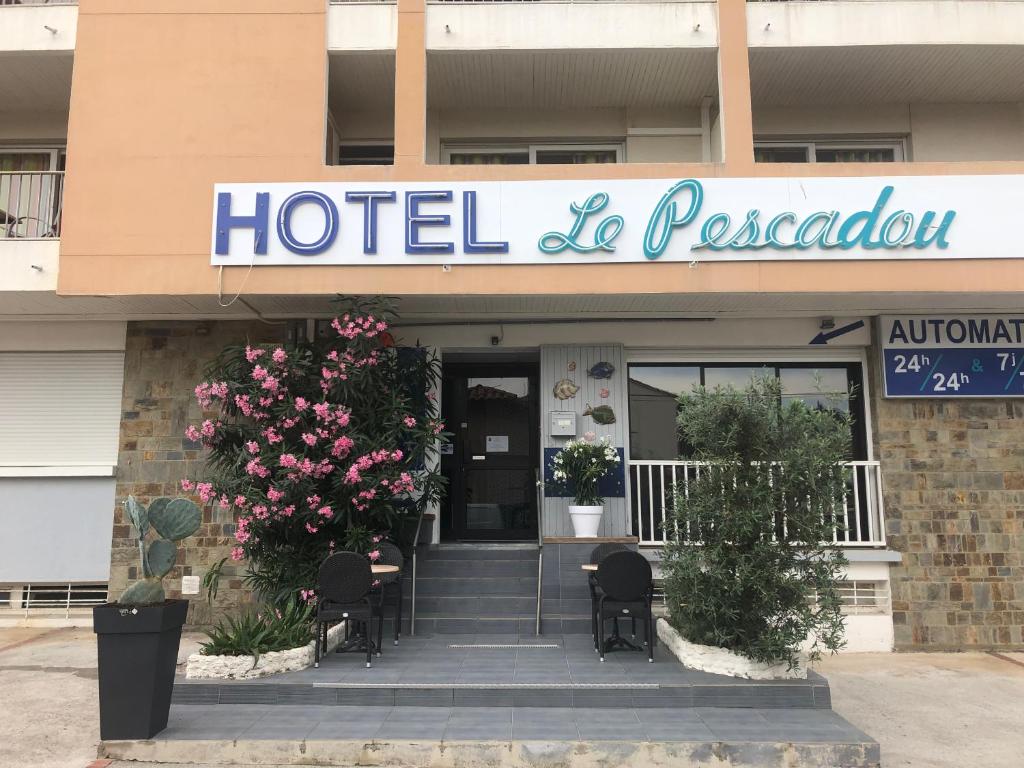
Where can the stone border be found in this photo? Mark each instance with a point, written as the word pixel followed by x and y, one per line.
pixel 721 661
pixel 202 667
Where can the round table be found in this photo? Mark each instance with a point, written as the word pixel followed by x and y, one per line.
pixel 376 569
pixel 589 566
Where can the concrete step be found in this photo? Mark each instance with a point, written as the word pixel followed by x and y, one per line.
pixel 468 568
pixel 448 586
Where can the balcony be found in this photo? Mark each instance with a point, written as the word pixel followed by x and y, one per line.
pixel 939 79
pixel 653 485
pixel 31 204
pixel 30 220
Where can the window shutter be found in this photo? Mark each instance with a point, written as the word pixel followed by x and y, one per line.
pixel 60 408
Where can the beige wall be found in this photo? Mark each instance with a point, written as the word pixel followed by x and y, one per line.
pixel 241 86
pixel 967 131
pixel 935 132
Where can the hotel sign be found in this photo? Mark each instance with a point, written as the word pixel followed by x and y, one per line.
pixel 953 355
pixel 626 220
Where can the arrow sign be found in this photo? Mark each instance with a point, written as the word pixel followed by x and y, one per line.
pixel 825 338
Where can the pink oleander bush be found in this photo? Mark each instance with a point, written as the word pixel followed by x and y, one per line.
pixel 319 446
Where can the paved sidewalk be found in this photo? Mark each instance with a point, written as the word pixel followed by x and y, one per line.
pixel 927 710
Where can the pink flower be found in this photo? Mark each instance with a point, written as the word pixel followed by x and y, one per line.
pixel 325 511
pixel 240 501
pixel 342 446
pixel 279 356
pixel 311 528
pixel 590 436
pixel 224 502
pixel 409 421
pixel 322 410
pixel 274 495
pixel 205 491
pixel 309 439
pixel 259 372
pixel 187 485
pixel 252 355
pixel 192 433
pixel 252 446
pixel 375 555
pixel 377 539
pixel 237 553
pixel 288 461
pixel 301 404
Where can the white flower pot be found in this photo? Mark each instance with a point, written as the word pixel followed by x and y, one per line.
pixel 585 520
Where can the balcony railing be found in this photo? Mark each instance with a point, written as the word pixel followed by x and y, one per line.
pixel 654 484
pixel 31 204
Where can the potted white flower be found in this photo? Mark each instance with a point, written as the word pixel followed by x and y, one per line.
pixel 579 467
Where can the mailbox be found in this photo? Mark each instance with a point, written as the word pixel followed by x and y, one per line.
pixel 562 423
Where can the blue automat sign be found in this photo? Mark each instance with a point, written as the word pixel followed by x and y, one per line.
pixel 953 356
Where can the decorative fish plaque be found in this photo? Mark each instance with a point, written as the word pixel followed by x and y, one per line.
pixel 603 414
pixel 564 389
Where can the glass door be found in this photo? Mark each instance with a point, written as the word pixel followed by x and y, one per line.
pixel 492 409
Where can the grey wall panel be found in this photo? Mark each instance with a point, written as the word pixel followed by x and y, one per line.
pixel 554 365
pixel 55 529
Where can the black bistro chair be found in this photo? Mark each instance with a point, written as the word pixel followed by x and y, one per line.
pixel 627 588
pixel 599 553
pixel 391 583
pixel 345 589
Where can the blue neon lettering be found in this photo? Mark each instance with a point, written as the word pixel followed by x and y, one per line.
pixel 226 221
pixel 284 225
pixel 414 220
pixel 470 244
pixel 369 201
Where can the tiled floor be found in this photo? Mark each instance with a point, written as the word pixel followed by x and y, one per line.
pixel 263 722
pixel 425 660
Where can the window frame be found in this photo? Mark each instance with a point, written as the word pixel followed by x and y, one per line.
pixel 898 145
pixel 531 148
pixel 862 448
pixel 57 153
pixel 363 143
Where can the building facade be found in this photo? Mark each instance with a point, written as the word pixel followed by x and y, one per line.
pixel 585 208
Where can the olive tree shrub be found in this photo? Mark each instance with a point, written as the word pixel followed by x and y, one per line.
pixel 747 566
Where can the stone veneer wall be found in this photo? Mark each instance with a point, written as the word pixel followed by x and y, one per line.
pixel 163 363
pixel 953 479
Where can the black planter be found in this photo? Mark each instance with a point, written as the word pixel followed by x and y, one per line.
pixel 137 652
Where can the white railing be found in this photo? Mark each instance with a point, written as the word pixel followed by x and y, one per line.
pixel 653 485
pixel 29 599
pixel 31 203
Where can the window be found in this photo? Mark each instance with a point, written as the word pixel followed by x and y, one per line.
pixel 532 154
pixel 851 151
pixel 654 389
pixel 366 154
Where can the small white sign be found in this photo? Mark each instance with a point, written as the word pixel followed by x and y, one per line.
pixel 190 585
pixel 497 443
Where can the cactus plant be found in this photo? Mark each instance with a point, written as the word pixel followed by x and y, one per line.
pixel 173 520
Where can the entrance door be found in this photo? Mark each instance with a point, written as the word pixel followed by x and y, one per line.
pixel 492 409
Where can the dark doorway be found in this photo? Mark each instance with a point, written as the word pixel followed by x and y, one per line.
pixel 492 410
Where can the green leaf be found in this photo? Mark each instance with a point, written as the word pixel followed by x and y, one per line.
pixel 176 519
pixel 161 556
pixel 137 515
pixel 144 592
